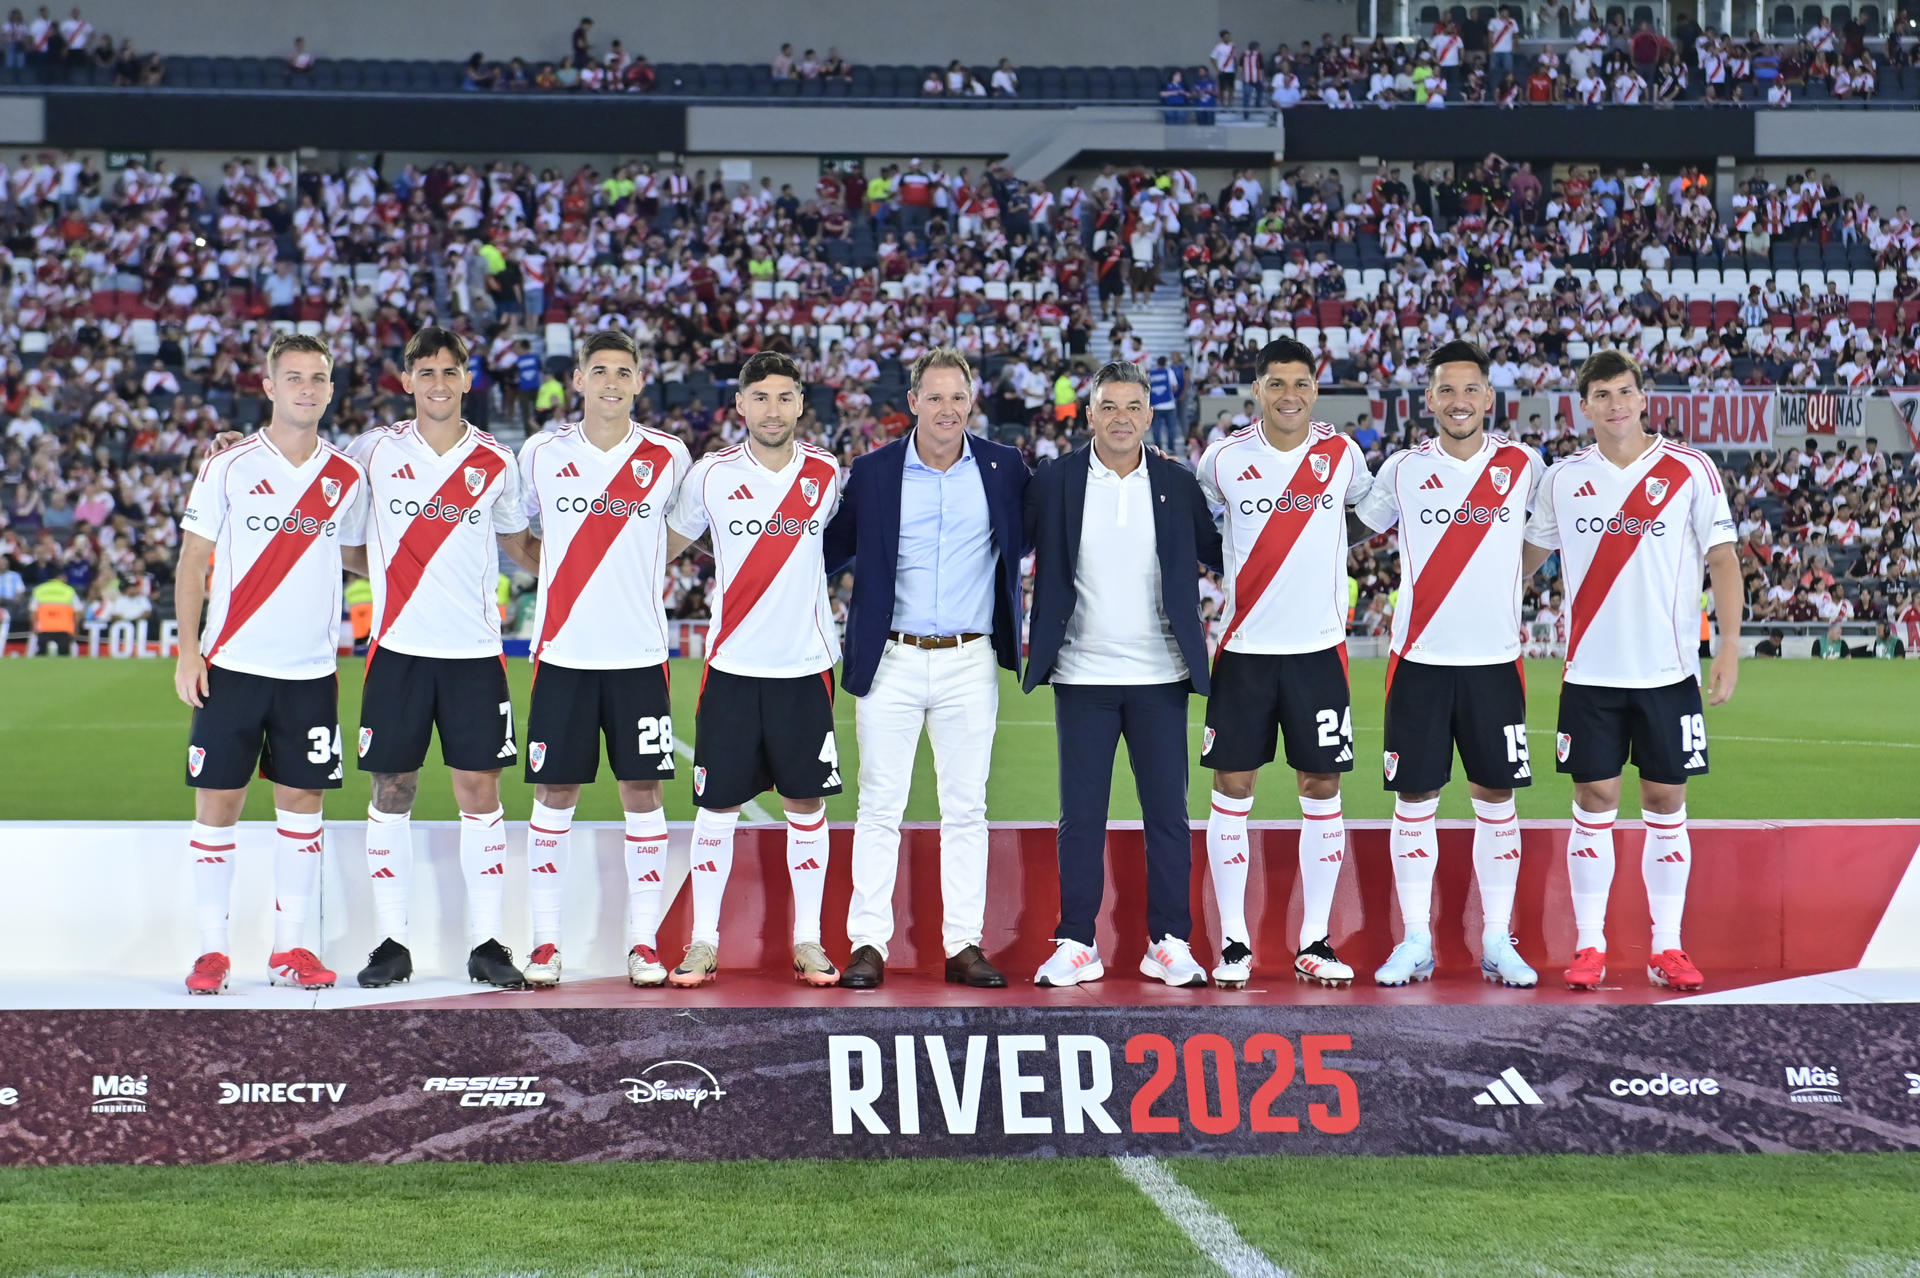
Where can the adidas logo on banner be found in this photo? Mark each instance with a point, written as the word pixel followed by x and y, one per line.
pixel 405 472
pixel 740 494
pixel 384 873
pixel 261 489
pixel 570 471
pixel 1509 1089
pixel 1585 490
pixel 1433 481
pixel 1249 473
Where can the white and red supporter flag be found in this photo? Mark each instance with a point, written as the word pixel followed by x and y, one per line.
pixel 1632 544
pixel 273 606
pixel 771 616
pixel 1462 531
pixel 431 547
pixel 603 547
pixel 1286 536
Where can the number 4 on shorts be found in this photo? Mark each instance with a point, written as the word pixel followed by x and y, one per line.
pixel 830 755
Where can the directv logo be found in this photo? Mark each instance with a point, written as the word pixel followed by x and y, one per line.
pixel 1509 1089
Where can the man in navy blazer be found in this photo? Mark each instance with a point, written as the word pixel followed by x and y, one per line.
pixel 1118 530
pixel 934 524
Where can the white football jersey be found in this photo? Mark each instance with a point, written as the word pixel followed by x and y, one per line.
pixel 431 550
pixel 603 548
pixel 273 607
pixel 1286 536
pixel 771 617
pixel 1632 545
pixel 1462 528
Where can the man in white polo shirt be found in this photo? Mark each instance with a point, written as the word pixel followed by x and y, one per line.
pixel 1116 531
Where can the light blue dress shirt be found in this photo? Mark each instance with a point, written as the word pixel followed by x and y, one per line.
pixel 943 577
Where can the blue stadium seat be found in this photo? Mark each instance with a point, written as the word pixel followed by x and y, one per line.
pixel 1809 17
pixel 1782 22
pixel 1840 16
pixel 786 88
pixel 837 88
pixel 1642 13
pixel 1100 84
pixel 1073 83
pixel 812 89
pixel 1870 18
pixel 1429 17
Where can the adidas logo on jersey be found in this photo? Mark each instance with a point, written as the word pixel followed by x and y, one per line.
pixel 261 489
pixel 1585 490
pixel 405 472
pixel 1249 473
pixel 1509 1089
pixel 740 494
pixel 570 471
pixel 1433 481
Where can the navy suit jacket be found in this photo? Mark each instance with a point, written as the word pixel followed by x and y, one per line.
pixel 865 532
pixel 1184 534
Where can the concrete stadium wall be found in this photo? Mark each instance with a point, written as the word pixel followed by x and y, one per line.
pixel 1061 32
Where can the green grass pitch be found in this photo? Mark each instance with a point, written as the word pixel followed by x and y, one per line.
pixel 106 740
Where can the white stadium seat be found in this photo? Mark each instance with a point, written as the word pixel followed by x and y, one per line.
pixel 559 340
pixel 1707 277
pixel 1683 280
pixel 144 334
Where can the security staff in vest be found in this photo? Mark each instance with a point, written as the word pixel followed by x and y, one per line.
pixel 55 616
pixel 1117 530
pixel 934 524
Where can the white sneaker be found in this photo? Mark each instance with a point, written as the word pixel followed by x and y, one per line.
pixel 543 966
pixel 1236 966
pixel 1502 963
pixel 1319 963
pixel 1411 960
pixel 1170 961
pixel 1071 964
pixel 644 968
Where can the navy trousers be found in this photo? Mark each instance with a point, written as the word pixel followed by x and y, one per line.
pixel 1089 720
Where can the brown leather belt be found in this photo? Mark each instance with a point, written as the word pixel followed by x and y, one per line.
pixel 933 641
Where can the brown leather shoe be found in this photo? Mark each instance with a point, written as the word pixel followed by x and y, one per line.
pixel 970 967
pixel 866 970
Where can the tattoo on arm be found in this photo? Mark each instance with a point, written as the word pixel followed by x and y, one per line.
pixel 393 791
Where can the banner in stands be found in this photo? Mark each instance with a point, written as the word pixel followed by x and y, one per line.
pixel 388 1086
pixel 1712 419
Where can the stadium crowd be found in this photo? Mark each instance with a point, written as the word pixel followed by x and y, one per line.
pixel 141 304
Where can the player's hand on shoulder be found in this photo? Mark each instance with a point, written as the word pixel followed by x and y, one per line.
pixel 223 441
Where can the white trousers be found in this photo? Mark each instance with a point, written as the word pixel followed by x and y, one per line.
pixel 954 694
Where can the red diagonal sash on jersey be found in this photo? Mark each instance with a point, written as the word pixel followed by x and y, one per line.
pixel 1616 548
pixel 285 549
pixel 595 537
pixel 770 554
pixel 1283 529
pixel 424 537
pixel 1457 544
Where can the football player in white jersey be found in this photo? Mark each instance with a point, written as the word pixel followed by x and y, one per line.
pixel 446 500
pixel 1633 517
pixel 1280 676
pixel 765 715
pixel 600 488
pixel 1453 666
pixel 261 677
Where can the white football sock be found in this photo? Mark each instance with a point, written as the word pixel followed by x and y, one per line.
pixel 1228 857
pixel 483 864
pixel 646 859
pixel 549 839
pixel 211 851
pixel 1590 873
pixel 1416 851
pixel 712 859
pixel 1323 846
pixel 1496 866
pixel 296 875
pixel 1665 862
pixel 390 867
pixel 806 869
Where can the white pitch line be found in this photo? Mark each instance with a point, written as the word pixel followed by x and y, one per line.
pixel 1547 732
pixel 1204 1227
pixel 751 809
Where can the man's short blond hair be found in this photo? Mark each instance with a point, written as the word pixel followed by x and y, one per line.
pixel 297 344
pixel 940 357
